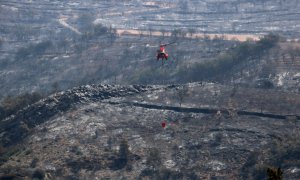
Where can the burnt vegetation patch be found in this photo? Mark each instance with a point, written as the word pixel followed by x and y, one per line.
pixel 225 63
pixel 274 160
pixel 91 164
pixel 12 104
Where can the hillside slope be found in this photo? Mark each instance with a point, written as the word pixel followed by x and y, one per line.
pixel 104 131
pixel 56 45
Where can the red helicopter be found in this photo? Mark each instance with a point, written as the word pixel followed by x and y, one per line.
pixel 162 53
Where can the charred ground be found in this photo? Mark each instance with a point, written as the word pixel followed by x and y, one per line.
pixel 239 117
pixel 108 131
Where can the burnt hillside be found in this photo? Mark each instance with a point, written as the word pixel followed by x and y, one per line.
pixel 107 131
pixel 56 45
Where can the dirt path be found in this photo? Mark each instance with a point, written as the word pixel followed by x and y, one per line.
pixel 239 37
pixel 62 21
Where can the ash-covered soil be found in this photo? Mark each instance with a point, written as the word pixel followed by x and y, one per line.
pixel 115 132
